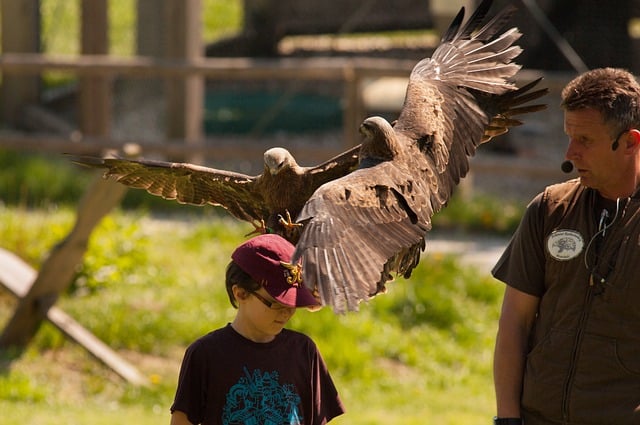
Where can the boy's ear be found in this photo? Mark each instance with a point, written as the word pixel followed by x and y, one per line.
pixel 240 293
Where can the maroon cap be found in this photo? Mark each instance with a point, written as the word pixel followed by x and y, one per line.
pixel 266 259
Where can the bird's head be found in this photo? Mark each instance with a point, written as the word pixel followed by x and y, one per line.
pixel 276 159
pixel 379 139
pixel 375 128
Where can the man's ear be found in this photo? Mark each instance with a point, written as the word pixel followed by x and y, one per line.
pixel 633 141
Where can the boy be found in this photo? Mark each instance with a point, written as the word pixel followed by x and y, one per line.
pixel 253 371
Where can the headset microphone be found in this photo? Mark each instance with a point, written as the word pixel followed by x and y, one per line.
pixel 614 145
pixel 567 166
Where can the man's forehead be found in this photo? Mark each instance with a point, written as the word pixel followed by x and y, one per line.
pixel 584 120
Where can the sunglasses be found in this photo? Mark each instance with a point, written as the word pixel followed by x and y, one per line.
pixel 273 305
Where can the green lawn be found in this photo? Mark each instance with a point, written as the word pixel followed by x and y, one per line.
pixel 148 287
pixel 419 354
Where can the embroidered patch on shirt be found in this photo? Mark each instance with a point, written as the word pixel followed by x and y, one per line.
pixel 565 244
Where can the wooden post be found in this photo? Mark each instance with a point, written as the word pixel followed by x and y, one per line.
pixel 185 95
pixel 17 276
pixel 20 33
pixel 150 26
pixel 95 94
pixel 150 42
pixel 58 270
pixel 354 109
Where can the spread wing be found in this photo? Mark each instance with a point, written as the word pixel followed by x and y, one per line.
pixel 360 229
pixel 351 228
pixel 463 95
pixel 334 168
pixel 187 184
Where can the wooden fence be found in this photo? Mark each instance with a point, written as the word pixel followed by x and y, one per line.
pixel 350 71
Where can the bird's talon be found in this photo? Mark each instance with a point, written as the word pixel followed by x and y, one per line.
pixel 287 222
pixel 259 229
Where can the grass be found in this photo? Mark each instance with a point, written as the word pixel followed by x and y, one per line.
pixel 149 286
pixel 419 354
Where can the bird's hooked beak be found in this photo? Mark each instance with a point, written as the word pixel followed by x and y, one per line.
pixel 273 170
pixel 365 130
pixel 272 167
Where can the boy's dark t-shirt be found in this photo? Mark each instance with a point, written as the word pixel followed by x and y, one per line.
pixel 228 379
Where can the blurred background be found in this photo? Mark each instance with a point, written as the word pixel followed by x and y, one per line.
pixel 217 82
pixel 196 79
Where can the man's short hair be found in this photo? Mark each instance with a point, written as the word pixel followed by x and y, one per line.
pixel 613 92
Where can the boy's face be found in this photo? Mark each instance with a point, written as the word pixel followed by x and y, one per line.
pixel 262 317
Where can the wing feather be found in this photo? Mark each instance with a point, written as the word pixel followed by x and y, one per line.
pixel 339 165
pixel 362 228
pixel 351 230
pixel 461 96
pixel 187 184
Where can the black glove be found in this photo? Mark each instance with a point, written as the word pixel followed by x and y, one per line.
pixel 507 421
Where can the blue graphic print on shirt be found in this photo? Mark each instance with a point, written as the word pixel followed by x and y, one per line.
pixel 258 399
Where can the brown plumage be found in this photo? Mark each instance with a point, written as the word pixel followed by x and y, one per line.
pixel 361 229
pixel 282 188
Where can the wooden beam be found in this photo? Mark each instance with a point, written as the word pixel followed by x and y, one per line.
pixel 38 119
pixel 58 269
pixel 188 109
pixel 20 33
pixel 18 277
pixel 225 150
pixel 151 31
pixel 219 150
pixel 151 38
pixel 185 96
pixel 354 109
pixel 95 95
pixel 317 68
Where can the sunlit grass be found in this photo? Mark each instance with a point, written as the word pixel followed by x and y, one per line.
pixel 419 354
pixel 152 281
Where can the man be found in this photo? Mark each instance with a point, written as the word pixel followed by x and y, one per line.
pixel 253 371
pixel 568 344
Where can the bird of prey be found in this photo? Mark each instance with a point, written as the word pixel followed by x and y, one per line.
pixel 268 201
pixel 361 230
